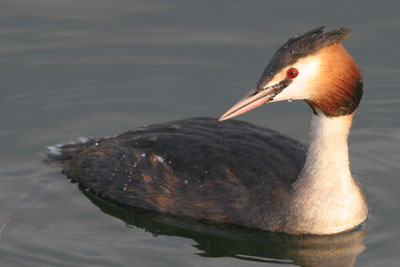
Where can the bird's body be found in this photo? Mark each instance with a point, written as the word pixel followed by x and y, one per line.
pixel 235 172
pixel 173 168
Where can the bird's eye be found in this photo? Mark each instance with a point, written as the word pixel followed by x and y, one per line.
pixel 292 73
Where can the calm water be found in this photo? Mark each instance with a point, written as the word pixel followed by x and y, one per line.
pixel 94 68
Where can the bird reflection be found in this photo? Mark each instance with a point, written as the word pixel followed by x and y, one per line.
pixel 221 240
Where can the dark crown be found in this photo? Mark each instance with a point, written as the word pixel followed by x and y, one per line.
pixel 301 46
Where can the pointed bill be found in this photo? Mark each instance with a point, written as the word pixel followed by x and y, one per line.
pixel 256 98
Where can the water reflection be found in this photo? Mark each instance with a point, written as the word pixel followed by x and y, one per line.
pixel 214 240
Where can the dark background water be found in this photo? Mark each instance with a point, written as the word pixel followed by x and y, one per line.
pixel 94 68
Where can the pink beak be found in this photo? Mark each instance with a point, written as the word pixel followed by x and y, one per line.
pixel 255 99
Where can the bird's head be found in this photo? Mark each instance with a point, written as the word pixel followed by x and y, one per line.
pixel 313 67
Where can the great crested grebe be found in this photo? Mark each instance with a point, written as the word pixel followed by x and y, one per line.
pixel 238 173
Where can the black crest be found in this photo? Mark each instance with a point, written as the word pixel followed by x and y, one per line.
pixel 301 46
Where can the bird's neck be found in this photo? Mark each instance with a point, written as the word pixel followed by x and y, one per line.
pixel 326 198
pixel 327 156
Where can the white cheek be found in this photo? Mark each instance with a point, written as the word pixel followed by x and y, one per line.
pixel 301 86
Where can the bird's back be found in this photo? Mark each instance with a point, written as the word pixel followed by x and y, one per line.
pixel 230 171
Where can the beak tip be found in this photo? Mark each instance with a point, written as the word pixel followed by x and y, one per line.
pixel 252 101
pixel 222 118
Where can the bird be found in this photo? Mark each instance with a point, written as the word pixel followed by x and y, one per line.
pixel 234 172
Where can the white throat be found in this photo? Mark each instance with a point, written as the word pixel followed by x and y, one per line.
pixel 326 198
pixel 327 155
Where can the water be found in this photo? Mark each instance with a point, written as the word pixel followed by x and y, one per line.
pixel 93 68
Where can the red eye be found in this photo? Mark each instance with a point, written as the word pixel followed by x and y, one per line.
pixel 292 73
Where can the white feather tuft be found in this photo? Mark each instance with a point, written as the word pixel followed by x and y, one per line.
pixel 55 150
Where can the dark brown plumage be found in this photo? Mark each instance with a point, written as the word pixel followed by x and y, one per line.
pixel 197 167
